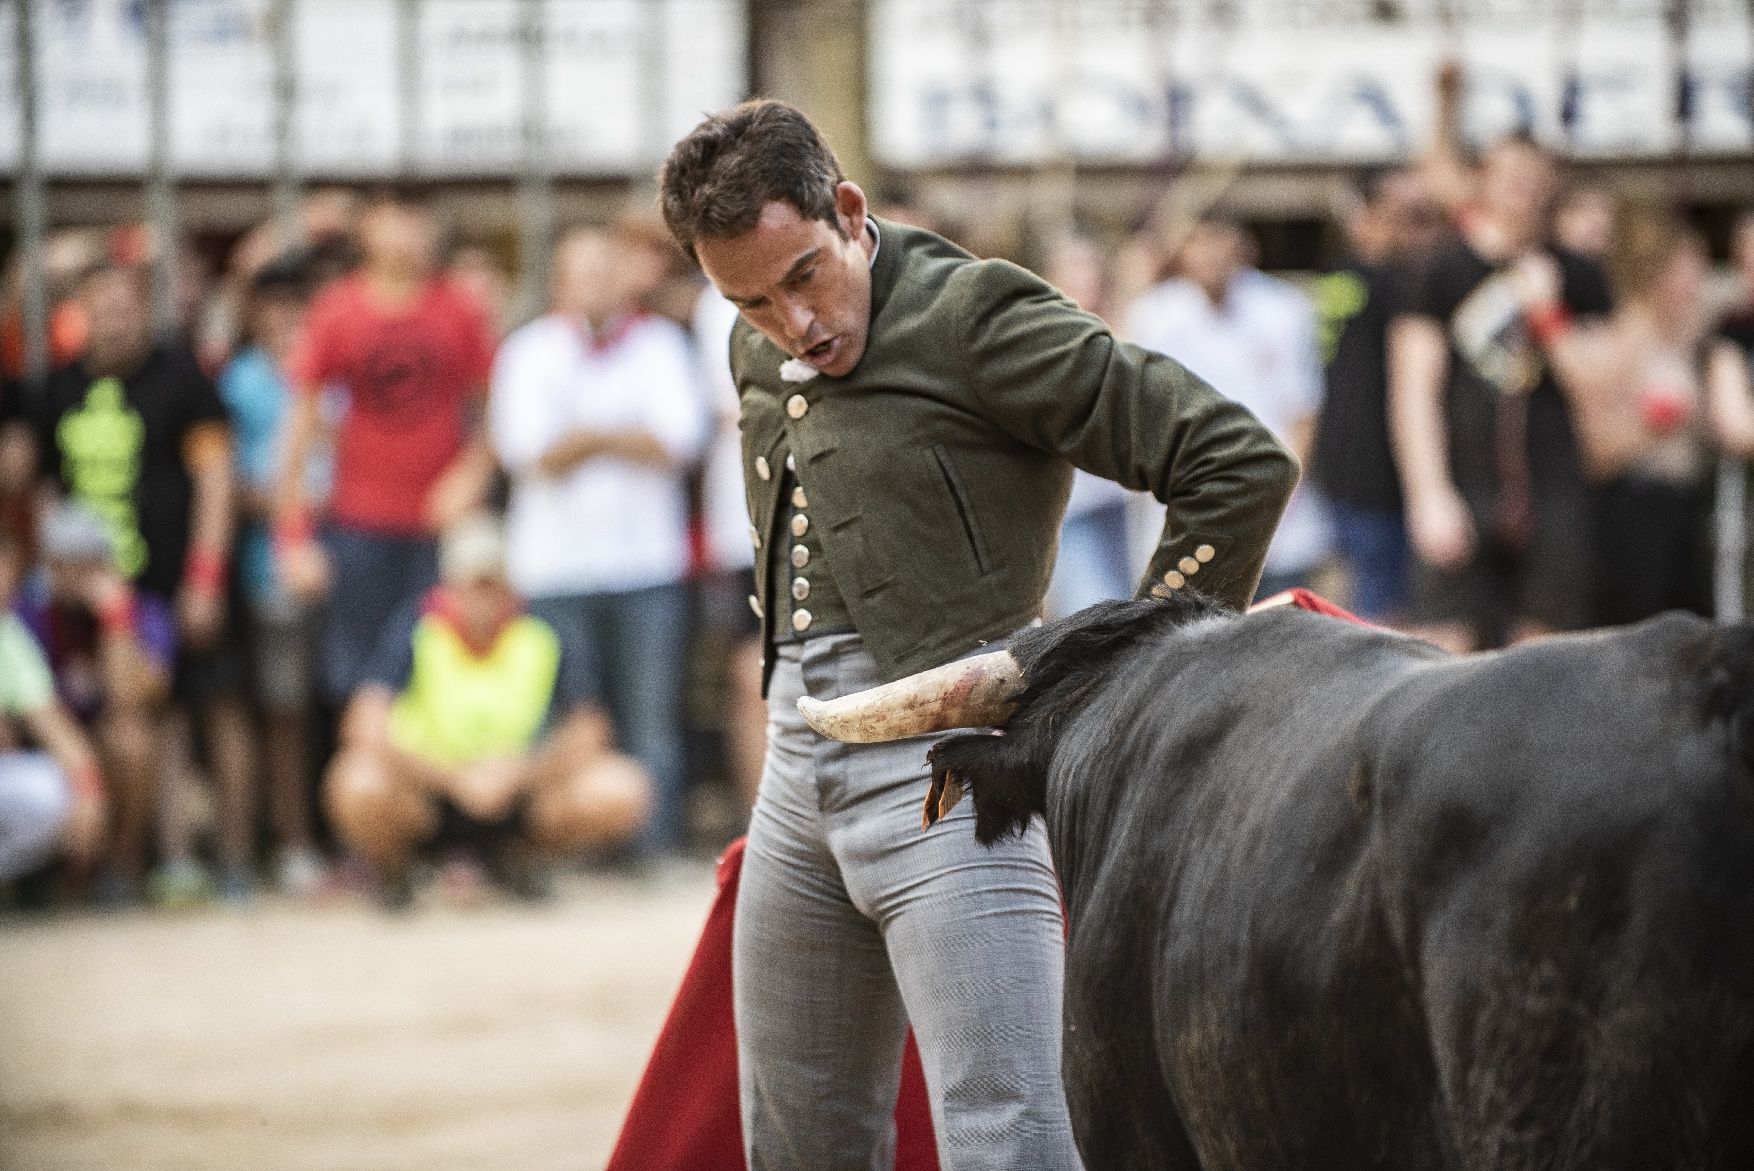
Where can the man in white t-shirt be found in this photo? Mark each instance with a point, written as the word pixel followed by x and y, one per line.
pixel 1253 338
pixel 595 417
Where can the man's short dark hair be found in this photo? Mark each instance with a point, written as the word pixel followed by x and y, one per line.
pixel 718 179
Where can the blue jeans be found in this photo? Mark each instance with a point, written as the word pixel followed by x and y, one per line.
pixel 1372 542
pixel 1092 565
pixel 628 650
pixel 372 578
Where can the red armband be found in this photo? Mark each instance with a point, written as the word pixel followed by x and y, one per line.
pixel 86 781
pixel 116 617
pixel 1548 323
pixel 204 572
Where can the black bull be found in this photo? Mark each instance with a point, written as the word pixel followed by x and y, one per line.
pixel 1339 900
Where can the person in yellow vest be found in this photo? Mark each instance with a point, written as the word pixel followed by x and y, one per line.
pixel 471 728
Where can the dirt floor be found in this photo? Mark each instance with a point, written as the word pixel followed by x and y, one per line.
pixel 334 1039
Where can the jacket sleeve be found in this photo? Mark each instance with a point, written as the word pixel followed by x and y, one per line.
pixel 1056 378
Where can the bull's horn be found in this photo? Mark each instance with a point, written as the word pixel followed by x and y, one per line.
pixel 970 693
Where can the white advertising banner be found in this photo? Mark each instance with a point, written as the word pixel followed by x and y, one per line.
pixel 1026 81
pixel 623 79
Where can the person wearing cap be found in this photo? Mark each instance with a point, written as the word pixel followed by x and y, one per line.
pixel 111 652
pixel 51 785
pixel 472 726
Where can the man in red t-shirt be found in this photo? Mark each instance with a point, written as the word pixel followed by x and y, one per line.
pixel 413 355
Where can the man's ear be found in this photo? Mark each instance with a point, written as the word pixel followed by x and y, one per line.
pixel 851 209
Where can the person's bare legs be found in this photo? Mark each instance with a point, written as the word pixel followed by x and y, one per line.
pixel 286 748
pixel 379 815
pixel 598 806
pixel 127 738
pixel 230 751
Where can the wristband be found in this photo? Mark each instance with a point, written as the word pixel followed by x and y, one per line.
pixel 116 617
pixel 1548 323
pixel 293 531
pixel 86 781
pixel 204 572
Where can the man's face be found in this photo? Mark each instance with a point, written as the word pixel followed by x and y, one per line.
pixel 1518 182
pixel 120 320
pixel 397 237
pixel 1211 256
pixel 804 283
pixel 482 604
pixel 589 280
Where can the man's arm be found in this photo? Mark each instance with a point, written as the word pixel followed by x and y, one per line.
pixel 1056 378
pixel 580 447
pixel 62 738
pixel 1437 518
pixel 366 726
pixel 135 641
pixel 1444 163
pixel 207 457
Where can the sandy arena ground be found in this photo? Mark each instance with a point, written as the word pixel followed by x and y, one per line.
pixel 285 1038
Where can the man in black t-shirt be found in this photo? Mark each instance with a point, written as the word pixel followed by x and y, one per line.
pixel 133 430
pixel 1354 463
pixel 1497 507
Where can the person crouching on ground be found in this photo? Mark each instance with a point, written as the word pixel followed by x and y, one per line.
pixel 471 727
pixel 51 788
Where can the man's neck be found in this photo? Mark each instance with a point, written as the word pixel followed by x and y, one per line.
pixel 394 288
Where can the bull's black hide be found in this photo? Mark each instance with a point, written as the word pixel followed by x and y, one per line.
pixel 1338 900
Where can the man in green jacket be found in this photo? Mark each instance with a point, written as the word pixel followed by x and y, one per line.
pixel 910 420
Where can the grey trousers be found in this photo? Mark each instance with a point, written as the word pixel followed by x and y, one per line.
pixel 852 922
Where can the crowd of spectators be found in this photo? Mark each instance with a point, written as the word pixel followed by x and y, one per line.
pixel 338 580
pixel 333 579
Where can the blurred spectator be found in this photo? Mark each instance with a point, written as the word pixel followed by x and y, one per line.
pixel 1253 338
pixel 1650 395
pixel 1386 227
pixel 1738 323
pixel 67 255
pixel 413 355
pixel 1583 222
pixel 276 632
pixel 471 727
pixel 111 650
pixel 1093 563
pixel 1496 505
pixel 730 551
pixel 134 431
pixel 483 277
pixel 51 787
pixel 594 415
